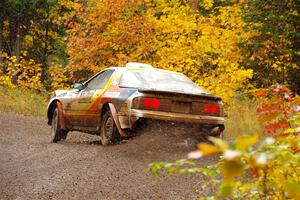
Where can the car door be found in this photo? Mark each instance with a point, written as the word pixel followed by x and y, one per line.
pixel 82 106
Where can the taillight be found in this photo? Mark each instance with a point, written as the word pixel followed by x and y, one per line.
pixel 151 103
pixel 211 108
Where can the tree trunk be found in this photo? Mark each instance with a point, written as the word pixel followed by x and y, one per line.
pixel 16 39
pixel 45 54
pixel 18 43
pixel 17 47
pixel 1 41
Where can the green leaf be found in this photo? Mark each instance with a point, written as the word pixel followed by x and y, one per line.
pixel 202 170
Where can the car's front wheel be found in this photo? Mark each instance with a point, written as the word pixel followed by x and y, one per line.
pixel 109 132
pixel 57 133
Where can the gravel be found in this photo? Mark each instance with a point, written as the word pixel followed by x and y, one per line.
pixel 81 168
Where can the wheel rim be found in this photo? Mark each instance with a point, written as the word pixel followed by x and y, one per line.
pixel 109 128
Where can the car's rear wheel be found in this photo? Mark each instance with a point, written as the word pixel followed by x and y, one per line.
pixel 109 132
pixel 57 133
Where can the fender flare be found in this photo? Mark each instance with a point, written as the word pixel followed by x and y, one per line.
pixel 61 116
pixel 56 103
pixel 116 119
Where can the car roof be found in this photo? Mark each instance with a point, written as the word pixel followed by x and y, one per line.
pixel 133 68
pixel 124 69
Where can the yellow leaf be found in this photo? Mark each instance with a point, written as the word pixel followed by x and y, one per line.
pixel 208 149
pixel 244 142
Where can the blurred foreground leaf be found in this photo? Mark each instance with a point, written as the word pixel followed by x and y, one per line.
pixel 244 142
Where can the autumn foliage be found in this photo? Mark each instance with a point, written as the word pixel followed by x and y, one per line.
pixel 24 73
pixel 277 110
pixel 171 35
pixel 224 46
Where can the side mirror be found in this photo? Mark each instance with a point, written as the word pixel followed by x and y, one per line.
pixel 78 86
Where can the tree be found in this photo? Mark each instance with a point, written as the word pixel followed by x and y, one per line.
pixel 168 34
pixel 205 47
pixel 107 33
pixel 273 54
pixel 15 20
pixel 46 39
pixel 36 29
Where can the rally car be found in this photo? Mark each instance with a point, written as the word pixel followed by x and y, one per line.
pixel 111 102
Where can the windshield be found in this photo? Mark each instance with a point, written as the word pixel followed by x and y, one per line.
pixel 162 80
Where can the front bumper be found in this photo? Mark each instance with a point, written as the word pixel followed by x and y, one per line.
pixel 129 121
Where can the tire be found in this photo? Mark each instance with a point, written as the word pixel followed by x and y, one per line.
pixel 109 132
pixel 57 134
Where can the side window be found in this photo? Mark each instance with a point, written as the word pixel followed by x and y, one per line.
pixel 99 81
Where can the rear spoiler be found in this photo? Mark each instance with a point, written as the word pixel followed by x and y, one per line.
pixel 204 95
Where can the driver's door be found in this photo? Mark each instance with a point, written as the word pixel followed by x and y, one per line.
pixel 84 116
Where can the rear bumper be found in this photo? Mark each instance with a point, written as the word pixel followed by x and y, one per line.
pixel 168 116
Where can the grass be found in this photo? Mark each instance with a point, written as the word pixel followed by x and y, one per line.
pixel 22 101
pixel 242 119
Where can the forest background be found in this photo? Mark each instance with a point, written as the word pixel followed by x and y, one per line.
pixel 228 47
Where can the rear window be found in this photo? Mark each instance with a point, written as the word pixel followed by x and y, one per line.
pixel 162 80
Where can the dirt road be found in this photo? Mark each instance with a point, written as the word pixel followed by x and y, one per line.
pixel 81 168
